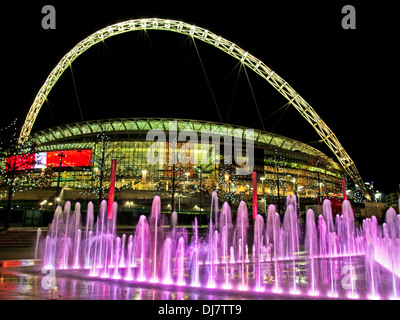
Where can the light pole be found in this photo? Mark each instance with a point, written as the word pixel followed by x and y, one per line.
pixel 173 189
pixel 262 184
pixel 61 155
pixel 378 196
pixel 57 199
pixel 200 189
pixel 373 192
pixel 295 192
pixel 265 205
pixel 187 180
pixel 262 193
pixel 298 199
pixel 129 204
pixel 144 175
pixel 277 184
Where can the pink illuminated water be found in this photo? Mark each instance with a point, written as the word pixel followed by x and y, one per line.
pixel 211 248
pixel 330 257
pixel 155 219
pixel 258 248
pixel 331 242
pixel 311 249
pixel 195 256
pixel 291 234
pixel 180 262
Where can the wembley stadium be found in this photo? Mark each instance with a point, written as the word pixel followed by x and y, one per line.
pixel 73 162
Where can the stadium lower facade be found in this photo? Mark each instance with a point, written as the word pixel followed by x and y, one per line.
pixel 73 162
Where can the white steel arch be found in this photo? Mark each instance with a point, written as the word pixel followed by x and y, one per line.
pixel 226 46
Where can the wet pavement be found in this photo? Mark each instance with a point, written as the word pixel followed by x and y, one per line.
pixel 21 280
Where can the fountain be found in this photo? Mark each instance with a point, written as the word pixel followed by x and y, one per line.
pixel 311 249
pixel 336 258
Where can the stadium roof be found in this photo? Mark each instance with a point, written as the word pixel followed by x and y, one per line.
pixel 123 126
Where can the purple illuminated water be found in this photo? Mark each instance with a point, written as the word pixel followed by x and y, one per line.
pixel 330 258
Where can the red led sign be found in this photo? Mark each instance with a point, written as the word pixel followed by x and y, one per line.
pixel 70 158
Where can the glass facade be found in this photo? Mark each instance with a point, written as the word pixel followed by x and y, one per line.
pixel 281 168
pixel 288 172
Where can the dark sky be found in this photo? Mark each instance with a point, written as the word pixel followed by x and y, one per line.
pixel 347 76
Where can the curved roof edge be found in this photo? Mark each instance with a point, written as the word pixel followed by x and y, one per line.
pixel 133 125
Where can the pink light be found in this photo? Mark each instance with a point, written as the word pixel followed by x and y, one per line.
pixel 254 176
pixel 353 296
pixel 243 287
pixel 313 293
pixel 111 190
pixel 277 290
pixel 181 283
pixel 167 281
pixel 93 273
pixel 386 263
pixel 259 289
pixel 295 292
pixel 226 286
pixel 154 280
pixel 332 295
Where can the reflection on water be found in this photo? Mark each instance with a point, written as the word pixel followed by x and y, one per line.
pixel 23 282
pixel 15 285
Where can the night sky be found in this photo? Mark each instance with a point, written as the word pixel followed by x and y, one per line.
pixel 347 76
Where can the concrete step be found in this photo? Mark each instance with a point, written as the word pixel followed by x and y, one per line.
pixel 18 238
